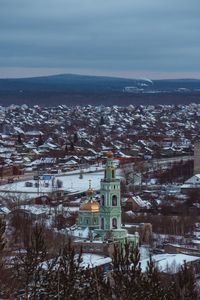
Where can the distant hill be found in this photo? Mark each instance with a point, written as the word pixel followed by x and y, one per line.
pixel 81 90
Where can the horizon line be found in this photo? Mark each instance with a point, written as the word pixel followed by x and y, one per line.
pixel 22 73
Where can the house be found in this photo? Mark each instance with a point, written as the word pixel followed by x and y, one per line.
pixel 191 184
pixel 135 203
pixel 41 200
pixel 4 211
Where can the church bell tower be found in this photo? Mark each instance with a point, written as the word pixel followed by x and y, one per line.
pixel 110 205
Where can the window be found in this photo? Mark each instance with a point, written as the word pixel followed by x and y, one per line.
pixel 114 187
pixel 114 200
pixel 113 173
pixel 102 200
pixel 102 223
pixel 114 223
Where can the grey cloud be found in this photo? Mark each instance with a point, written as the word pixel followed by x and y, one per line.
pixel 108 34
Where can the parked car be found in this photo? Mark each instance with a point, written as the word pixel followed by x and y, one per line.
pixel 10 180
pixel 28 184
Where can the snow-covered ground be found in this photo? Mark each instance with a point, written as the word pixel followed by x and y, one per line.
pixel 144 252
pixel 71 183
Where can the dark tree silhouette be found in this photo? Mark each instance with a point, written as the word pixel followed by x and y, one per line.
pixel 40 141
pixel 19 139
pixel 75 138
pixel 71 146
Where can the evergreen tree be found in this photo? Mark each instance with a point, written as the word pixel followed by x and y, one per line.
pixel 2 244
pixel 28 264
pixel 5 283
pixel 129 282
pixel 2 241
pixel 186 284
pixel 97 286
pixel 66 276
pixel 63 277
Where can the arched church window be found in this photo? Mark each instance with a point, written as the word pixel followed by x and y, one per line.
pixel 114 223
pixel 113 173
pixel 114 200
pixel 102 200
pixel 102 223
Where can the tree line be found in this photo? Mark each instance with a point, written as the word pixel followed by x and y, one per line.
pixel 33 273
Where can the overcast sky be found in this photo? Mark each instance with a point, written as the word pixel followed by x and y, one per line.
pixel 132 38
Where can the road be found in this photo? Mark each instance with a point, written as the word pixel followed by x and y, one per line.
pixel 171 159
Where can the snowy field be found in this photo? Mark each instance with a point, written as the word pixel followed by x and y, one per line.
pixel 71 183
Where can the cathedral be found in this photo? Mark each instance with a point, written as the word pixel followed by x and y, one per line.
pixel 104 219
pixel 89 212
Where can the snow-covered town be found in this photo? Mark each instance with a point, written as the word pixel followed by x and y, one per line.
pixel 32 136
pixel 102 177
pixel 99 150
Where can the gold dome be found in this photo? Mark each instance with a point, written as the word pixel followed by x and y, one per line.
pixel 109 154
pixel 91 206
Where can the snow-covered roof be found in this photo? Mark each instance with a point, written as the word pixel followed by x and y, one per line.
pixel 130 213
pixel 192 182
pixel 4 210
pixel 35 209
pixel 34 133
pixel 79 232
pixel 71 162
pixel 169 263
pixel 88 260
pixel 94 260
pixel 140 202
